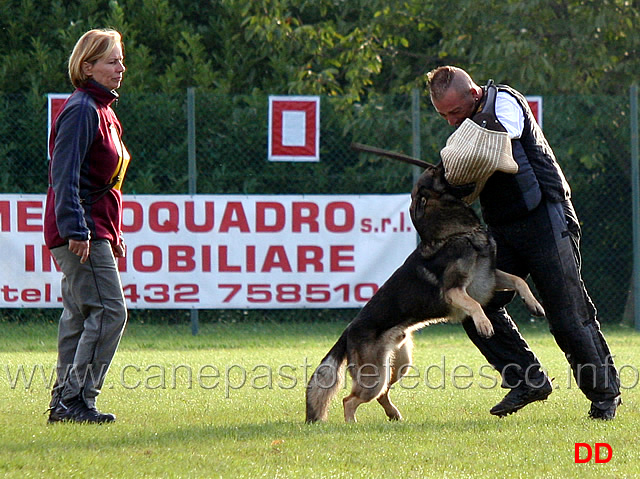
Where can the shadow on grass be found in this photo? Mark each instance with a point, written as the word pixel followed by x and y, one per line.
pixel 118 435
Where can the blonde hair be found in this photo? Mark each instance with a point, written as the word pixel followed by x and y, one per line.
pixel 91 47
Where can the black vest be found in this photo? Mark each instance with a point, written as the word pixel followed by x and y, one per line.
pixel 508 197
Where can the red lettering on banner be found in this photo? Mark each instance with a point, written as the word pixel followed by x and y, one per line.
pixel 338 258
pixel 185 258
pixel 330 217
pixel 138 217
pixel 206 258
pixel 190 222
pixel 234 217
pixel 310 256
pixel 5 216
pixel 24 216
pixel 181 258
pixel 48 263
pixel 310 218
pixel 270 217
pixel 31 295
pixel 155 253
pixel 9 295
pixel 29 258
pixel 276 258
pixel 223 262
pixel 168 226
pixel 251 259
pixel 261 220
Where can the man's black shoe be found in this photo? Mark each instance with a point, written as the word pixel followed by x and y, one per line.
pixel 519 397
pixel 76 410
pixel 605 410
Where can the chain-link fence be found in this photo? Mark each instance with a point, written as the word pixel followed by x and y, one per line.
pixel 589 134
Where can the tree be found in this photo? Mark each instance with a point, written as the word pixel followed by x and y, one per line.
pixel 341 48
pixel 544 46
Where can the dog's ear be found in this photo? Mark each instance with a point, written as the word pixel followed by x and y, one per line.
pixel 417 210
pixel 427 187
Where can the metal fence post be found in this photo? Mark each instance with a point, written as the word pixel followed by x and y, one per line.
pixel 416 150
pixel 635 198
pixel 192 171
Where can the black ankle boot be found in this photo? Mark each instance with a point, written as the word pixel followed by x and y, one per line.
pixel 76 410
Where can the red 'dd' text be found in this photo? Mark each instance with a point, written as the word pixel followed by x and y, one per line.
pixel 584 453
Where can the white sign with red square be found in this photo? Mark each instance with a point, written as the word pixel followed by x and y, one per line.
pixel 54 105
pixel 294 128
pixel 535 103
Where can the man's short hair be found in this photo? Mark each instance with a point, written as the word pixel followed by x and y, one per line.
pixel 440 79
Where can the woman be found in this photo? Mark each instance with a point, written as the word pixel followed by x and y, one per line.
pixel 83 226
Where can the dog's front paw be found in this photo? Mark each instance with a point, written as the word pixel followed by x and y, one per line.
pixel 536 309
pixel 484 328
pixel 530 301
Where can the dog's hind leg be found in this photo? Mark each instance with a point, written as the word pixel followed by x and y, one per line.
pixel 506 281
pixel 369 380
pixel 400 362
pixel 369 366
pixel 350 404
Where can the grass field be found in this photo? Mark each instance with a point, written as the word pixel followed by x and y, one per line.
pixel 229 403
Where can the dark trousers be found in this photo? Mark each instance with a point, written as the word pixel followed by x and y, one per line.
pixel 545 245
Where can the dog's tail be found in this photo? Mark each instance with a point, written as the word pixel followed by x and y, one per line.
pixel 326 381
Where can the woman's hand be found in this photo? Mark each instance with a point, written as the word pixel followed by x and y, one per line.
pixel 120 250
pixel 80 248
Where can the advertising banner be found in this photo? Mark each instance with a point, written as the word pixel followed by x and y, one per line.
pixel 226 251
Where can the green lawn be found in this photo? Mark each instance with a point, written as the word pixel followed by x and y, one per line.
pixel 229 402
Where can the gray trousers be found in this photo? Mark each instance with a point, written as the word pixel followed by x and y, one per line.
pixel 91 324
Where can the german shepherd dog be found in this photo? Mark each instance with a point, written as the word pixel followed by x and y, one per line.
pixel 449 277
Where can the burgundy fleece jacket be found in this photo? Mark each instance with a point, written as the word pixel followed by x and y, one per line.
pixel 86 158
